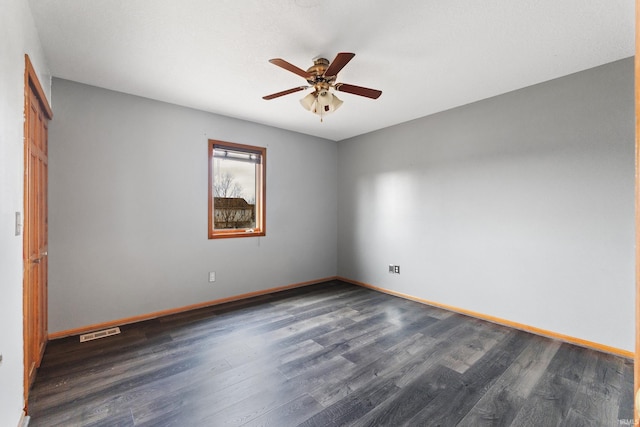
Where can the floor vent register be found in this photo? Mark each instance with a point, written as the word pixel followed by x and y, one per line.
pixel 99 334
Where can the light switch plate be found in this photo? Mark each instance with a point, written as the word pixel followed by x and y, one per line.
pixel 18 223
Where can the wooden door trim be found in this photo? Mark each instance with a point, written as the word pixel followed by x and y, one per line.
pixel 31 79
pixel 636 370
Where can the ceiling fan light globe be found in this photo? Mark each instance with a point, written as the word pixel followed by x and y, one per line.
pixel 308 101
pixel 324 99
pixel 335 103
pixel 327 103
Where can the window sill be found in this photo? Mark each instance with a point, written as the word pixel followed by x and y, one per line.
pixel 236 233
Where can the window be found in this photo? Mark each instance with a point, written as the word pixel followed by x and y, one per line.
pixel 236 190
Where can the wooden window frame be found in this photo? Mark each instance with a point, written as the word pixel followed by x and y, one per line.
pixel 261 202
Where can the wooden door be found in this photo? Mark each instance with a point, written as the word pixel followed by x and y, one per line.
pixel 636 364
pixel 35 244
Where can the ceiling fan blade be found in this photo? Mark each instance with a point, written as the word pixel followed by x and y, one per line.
pixel 358 90
pixel 285 92
pixel 338 63
pixel 290 67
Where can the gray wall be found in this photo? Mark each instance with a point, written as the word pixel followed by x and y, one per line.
pixel 128 208
pixel 519 206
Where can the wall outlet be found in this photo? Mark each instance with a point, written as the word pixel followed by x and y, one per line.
pixel 396 269
pixel 212 276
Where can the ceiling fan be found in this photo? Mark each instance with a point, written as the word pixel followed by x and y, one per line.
pixel 321 76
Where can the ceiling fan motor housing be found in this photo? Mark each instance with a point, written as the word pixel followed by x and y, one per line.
pixel 317 77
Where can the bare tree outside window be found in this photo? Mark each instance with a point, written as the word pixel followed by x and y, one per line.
pixel 226 186
pixel 231 207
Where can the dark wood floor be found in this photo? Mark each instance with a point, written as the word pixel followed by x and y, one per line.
pixel 328 355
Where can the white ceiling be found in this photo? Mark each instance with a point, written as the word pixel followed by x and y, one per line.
pixel 425 55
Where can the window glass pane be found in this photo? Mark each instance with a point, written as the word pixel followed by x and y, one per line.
pixel 234 190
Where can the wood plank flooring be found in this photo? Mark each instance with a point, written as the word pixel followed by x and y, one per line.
pixel 332 354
